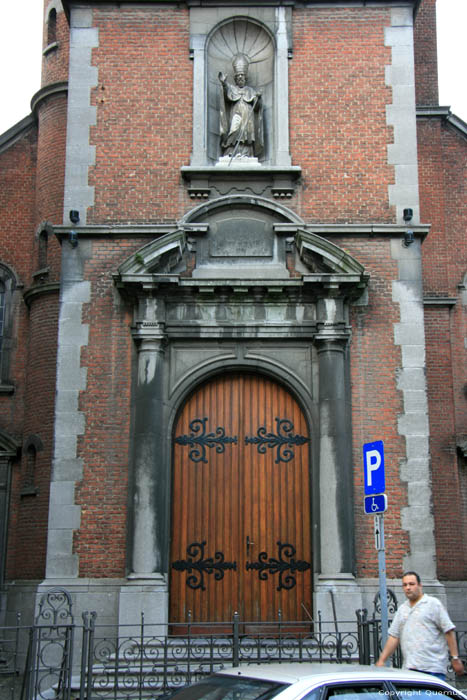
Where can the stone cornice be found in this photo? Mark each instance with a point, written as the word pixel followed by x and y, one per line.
pixel 115 230
pixel 439 301
pixel 155 230
pixel 17 131
pixel 444 113
pixel 46 92
pixel 40 290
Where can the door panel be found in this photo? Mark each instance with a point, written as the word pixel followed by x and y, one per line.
pixel 241 539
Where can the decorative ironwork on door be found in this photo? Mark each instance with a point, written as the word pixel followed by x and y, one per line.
pixel 199 440
pixel 268 566
pixel 210 565
pixel 282 440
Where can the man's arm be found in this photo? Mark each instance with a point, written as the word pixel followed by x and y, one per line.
pixel 457 664
pixel 389 649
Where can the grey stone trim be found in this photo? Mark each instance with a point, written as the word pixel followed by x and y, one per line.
pixel 277 181
pixel 391 230
pixel 64 514
pixel 156 230
pixel 433 111
pixel 281 130
pixel 400 76
pixel 51 47
pixel 80 155
pixel 110 230
pixel 16 132
pixel 409 334
pixel 439 301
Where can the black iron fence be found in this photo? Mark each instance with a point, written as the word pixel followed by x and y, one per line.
pixel 64 660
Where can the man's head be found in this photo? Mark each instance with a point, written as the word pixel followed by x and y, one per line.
pixel 240 65
pixel 412 586
pixel 240 79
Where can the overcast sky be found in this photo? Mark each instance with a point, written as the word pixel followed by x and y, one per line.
pixel 20 57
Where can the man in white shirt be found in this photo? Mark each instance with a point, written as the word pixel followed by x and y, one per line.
pixel 425 632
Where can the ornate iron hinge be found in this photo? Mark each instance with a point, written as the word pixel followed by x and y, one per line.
pixel 283 440
pixel 199 440
pixel 286 569
pixel 211 565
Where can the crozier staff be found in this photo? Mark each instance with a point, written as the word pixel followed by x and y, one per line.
pixel 241 113
pixel 425 632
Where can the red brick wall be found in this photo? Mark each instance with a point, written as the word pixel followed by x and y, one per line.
pixel 55 62
pixel 104 448
pixel 17 195
pixel 426 59
pixel 338 98
pixel 50 176
pixel 443 196
pixel 376 401
pixel 29 510
pixel 144 114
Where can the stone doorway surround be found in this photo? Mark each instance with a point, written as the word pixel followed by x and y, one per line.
pixel 216 295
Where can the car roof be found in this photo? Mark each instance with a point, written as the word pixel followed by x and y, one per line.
pixel 326 672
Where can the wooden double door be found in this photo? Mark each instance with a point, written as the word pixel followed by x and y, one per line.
pixel 241 534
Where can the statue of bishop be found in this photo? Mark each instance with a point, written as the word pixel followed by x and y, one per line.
pixel 241 114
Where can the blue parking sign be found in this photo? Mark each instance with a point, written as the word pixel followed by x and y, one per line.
pixel 373 466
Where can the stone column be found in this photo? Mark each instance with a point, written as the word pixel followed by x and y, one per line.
pixel 336 586
pixel 147 588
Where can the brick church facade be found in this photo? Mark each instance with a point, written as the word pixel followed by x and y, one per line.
pixel 214 294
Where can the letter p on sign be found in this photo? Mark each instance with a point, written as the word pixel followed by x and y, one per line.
pixel 373 465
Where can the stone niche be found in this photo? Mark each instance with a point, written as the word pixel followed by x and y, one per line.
pixel 263 35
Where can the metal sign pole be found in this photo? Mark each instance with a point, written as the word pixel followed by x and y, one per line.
pixel 383 595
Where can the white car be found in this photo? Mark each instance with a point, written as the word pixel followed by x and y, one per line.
pixel 308 681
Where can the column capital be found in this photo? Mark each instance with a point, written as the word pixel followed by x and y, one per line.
pixel 329 340
pixel 149 336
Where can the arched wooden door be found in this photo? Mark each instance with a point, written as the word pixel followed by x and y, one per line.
pixel 241 535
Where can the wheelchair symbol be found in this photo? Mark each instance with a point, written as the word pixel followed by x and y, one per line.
pixel 376 504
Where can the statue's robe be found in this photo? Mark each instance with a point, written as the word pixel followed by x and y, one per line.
pixel 241 121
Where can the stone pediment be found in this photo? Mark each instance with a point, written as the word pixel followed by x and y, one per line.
pixel 240 241
pixel 168 254
pixel 321 256
pixel 161 256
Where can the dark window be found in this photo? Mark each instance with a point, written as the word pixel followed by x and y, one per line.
pixel 43 243
pixel 2 315
pixel 7 288
pixel 29 475
pixel 412 691
pixel 52 27
pixel 229 688
pixel 356 691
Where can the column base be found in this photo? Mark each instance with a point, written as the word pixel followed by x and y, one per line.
pixel 337 597
pixel 148 595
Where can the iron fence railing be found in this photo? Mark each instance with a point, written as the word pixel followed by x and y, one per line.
pixel 64 660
